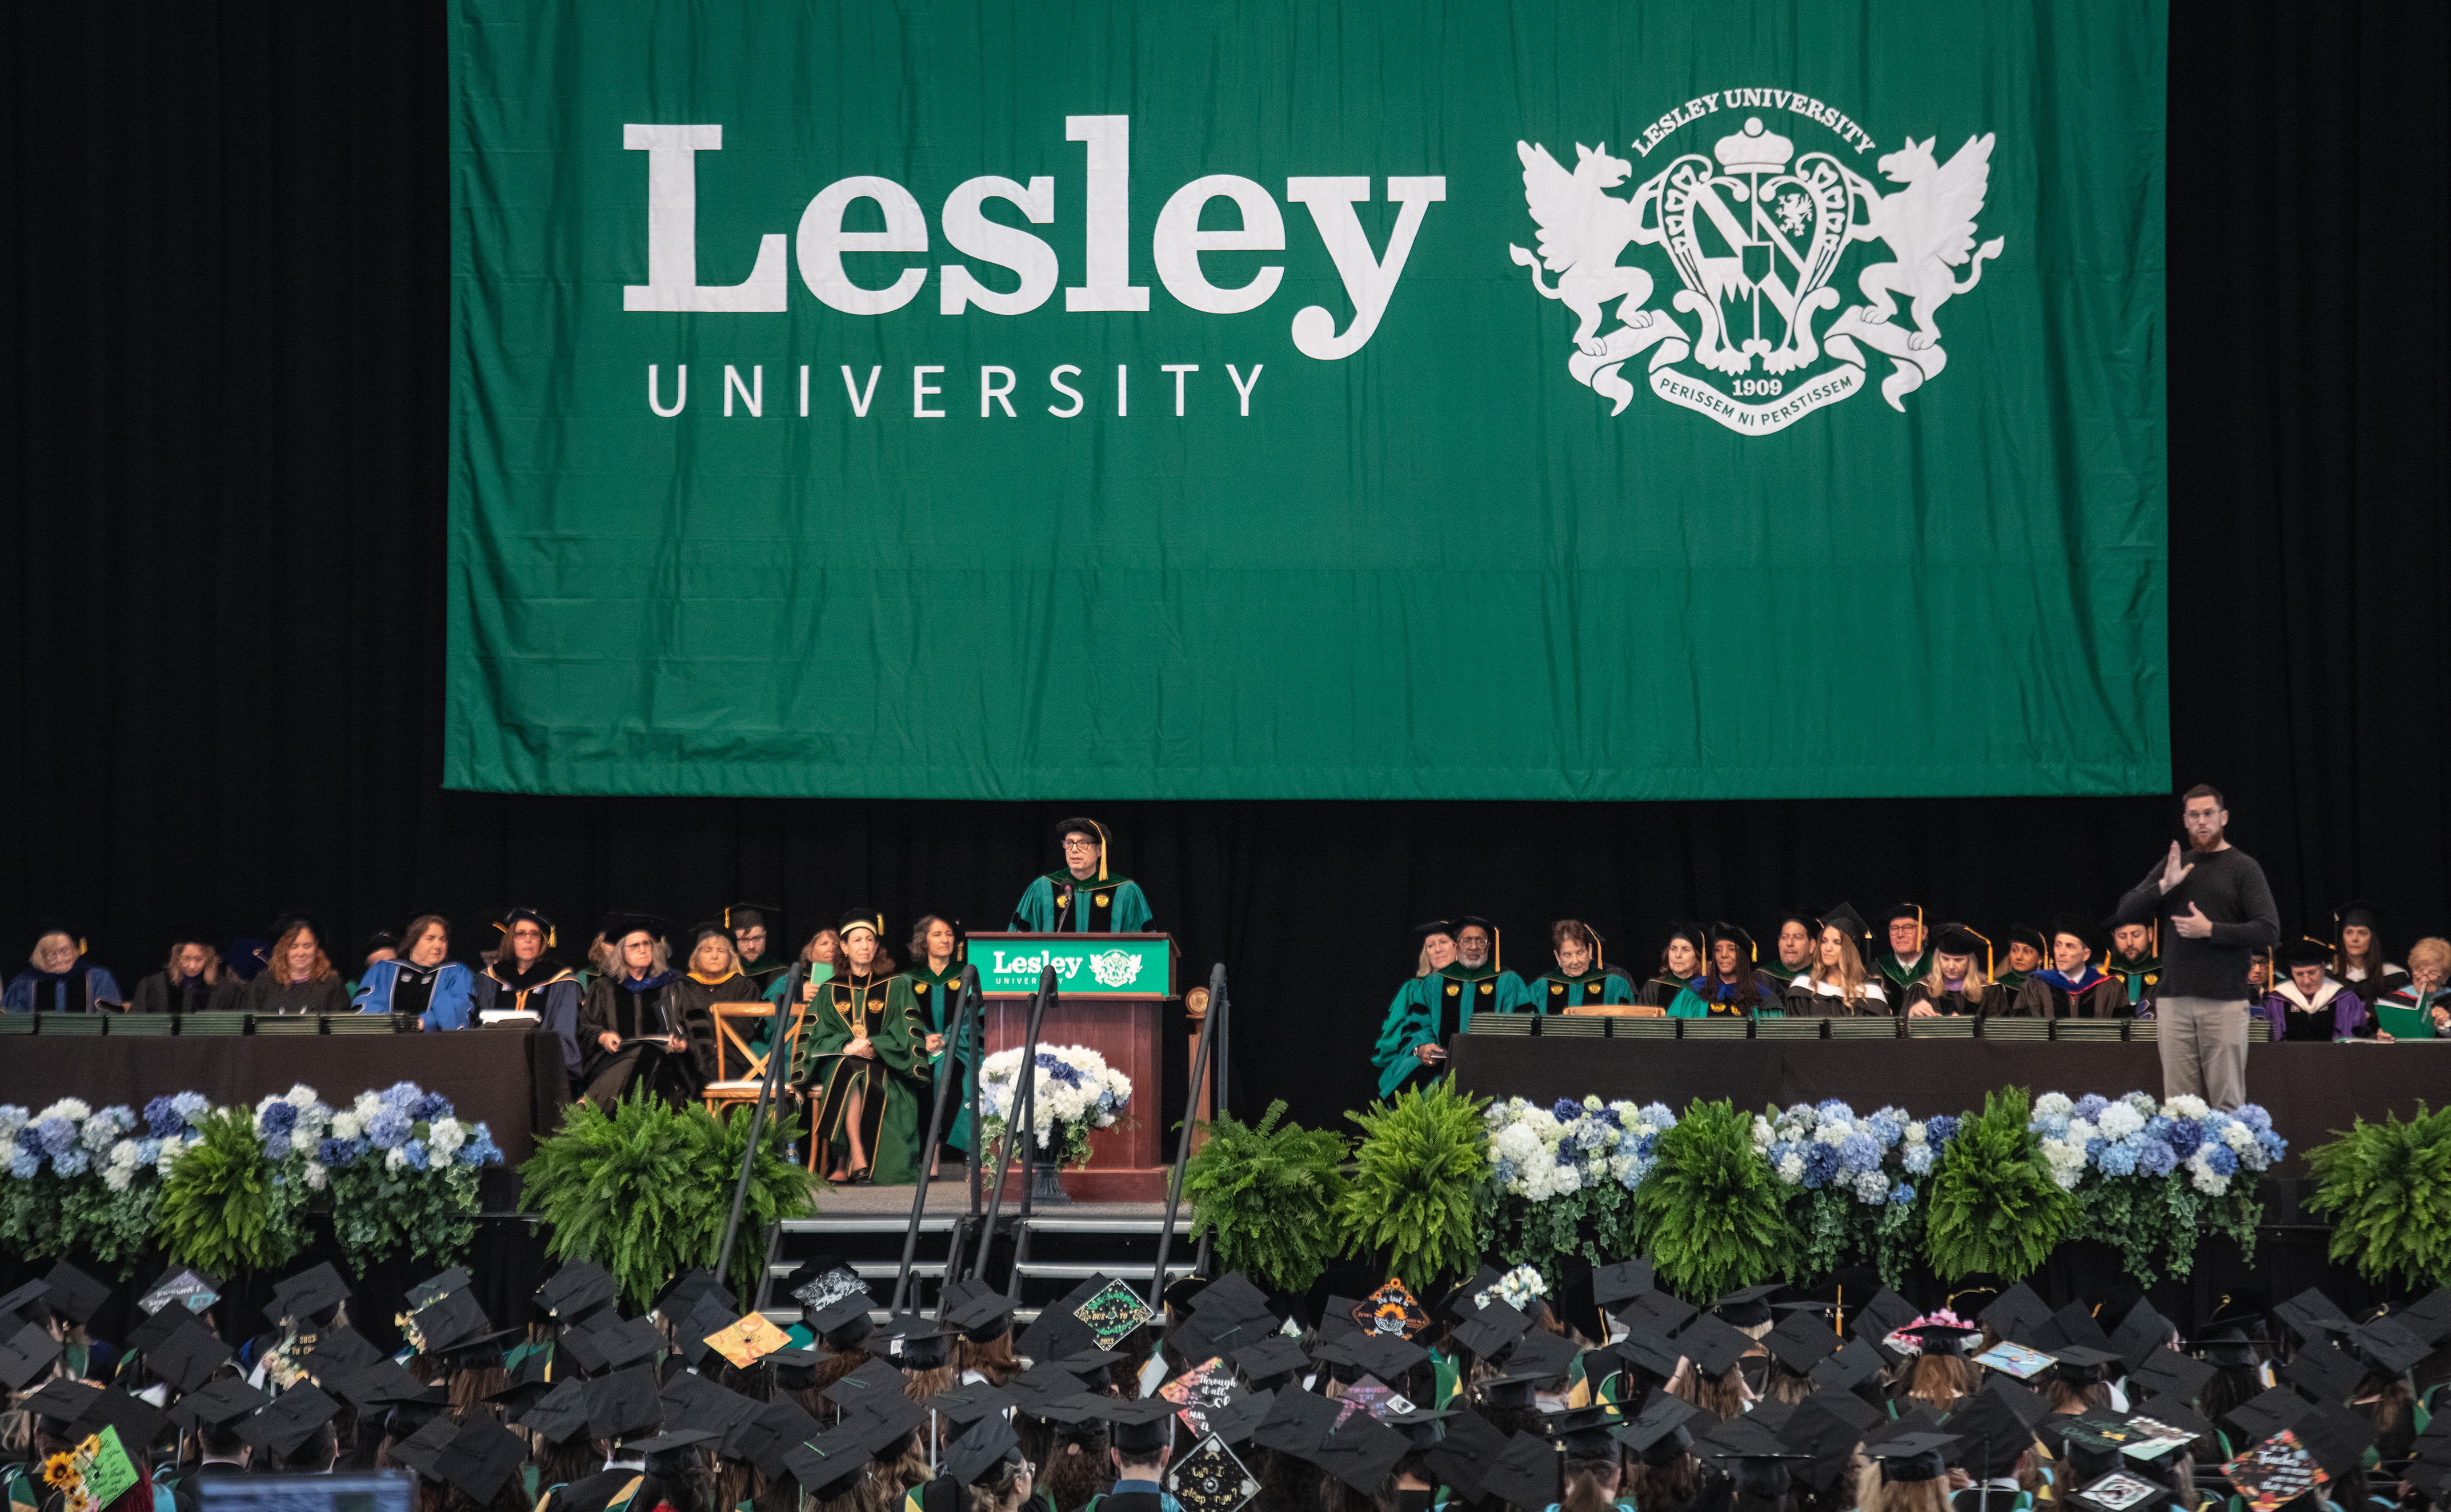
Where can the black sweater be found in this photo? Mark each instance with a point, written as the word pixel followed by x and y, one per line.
pixel 2230 887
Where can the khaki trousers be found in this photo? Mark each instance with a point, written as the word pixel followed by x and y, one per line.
pixel 2204 1048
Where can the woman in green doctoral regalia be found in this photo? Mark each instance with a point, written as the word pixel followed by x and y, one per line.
pixel 933 986
pixel 863 1067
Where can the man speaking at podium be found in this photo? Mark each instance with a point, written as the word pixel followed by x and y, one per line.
pixel 1082 899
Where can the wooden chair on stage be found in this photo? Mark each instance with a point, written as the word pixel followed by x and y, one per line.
pixel 735 1024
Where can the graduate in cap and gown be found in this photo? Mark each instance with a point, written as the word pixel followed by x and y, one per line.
pixel 1680 964
pixel 631 1031
pixel 1730 988
pixel 934 983
pixel 59 978
pixel 1581 976
pixel 861 1068
pixel 1430 1010
pixel 2308 1004
pixel 1084 895
pixel 1902 965
pixel 2027 950
pixel 2071 986
pixel 758 932
pixel 1958 984
pixel 1837 984
pixel 523 979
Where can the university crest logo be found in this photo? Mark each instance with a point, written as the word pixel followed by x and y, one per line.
pixel 1115 967
pixel 1782 293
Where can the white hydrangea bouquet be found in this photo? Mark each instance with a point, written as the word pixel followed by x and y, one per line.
pixel 1563 1177
pixel 2150 1177
pixel 1074 1091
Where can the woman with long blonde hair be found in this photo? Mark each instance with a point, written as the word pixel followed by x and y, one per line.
pixel 1836 984
pixel 1956 985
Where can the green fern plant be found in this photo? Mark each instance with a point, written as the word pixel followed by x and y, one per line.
pixel 2388 1189
pixel 643 1190
pixel 1992 1205
pixel 1420 1160
pixel 222 1207
pixel 1713 1214
pixel 1268 1192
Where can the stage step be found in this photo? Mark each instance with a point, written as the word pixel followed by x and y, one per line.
pixel 1052 1255
pixel 872 1245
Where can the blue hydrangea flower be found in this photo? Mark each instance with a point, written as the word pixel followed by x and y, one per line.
pixel 387 1129
pixel 1918 1159
pixel 1821 1162
pixel 2156 1159
pixel 2253 1116
pixel 1832 1107
pixel 2158 1128
pixel 23 1163
pixel 279 1119
pixel 1887 1129
pixel 148 1152
pixel 430 1107
pixel 480 1149
pixel 2120 1159
pixel 71 1162
pixel 53 1136
pixel 276 1148
pixel 1506 1169
pixel 2094 1146
pixel 193 1107
pixel 2274 1145
pixel 2051 1126
pixel 1858 1152
pixel 415 1153
pixel 1940 1129
pixel 2224 1160
pixel 2089 1107
pixel 335 1153
pixel 401 1095
pixel 1902 1192
pixel 162 1118
pixel 2185 1135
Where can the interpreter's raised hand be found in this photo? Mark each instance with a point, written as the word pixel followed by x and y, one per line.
pixel 2192 923
pixel 2172 872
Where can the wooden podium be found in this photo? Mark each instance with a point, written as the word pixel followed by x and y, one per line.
pixel 1112 994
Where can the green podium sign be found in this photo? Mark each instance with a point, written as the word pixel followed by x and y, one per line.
pixel 1114 967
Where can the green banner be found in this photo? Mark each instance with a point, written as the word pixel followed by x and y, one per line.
pixel 1085 965
pixel 1577 400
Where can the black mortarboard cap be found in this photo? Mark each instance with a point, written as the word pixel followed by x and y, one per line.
pixel 62 1400
pixel 1664 1421
pixel 671 1440
pixel 1489 1331
pixel 2076 1325
pixel 139 1422
pixel 1882 1314
pixel 1991 1434
pixel 1465 1453
pixel 1802 1341
pixel 216 1401
pixel 299 1297
pixel 1388 1357
pixel 74 1295
pixel 2139 1333
pixel 1542 1354
pixel 2312 1316
pixel 189 1358
pixel 1276 1355
pixel 1459 1304
pixel 1956 939
pixel 441 1283
pixel 1360 1452
pixel 2290 955
pixel 1622 1281
pixel 971 1401
pixel 574 1291
pixel 483 1455
pixel 827 1465
pixel 28 1301
pixel 26 1353
pixel 1204 1335
pixel 1659 1309
pixel 1714 1346
pixel 621 1343
pixel 2076 1363
pixel 983 1318
pixel 1241 1417
pixel 1747 1308
pixel 624 1403
pixel 561 1415
pixel 2387 1348
pixel 1295 1423
pixel 777 1428
pixel 2168 1373
pixel 1525 1474
pixel 1233 1295
pixel 421 1451
pixel 1911 1456
pixel 2015 1313
pixel 1648 1351
pixel 842 1313
pixel 1139 1425
pixel 1849 1367
pixel 291 1419
pixel 682 1297
pixel 980 1449
pixel 2267 1412
pixel 862 1389
pixel 2326 1374
pixel 2337 1438
pixel 2429 1317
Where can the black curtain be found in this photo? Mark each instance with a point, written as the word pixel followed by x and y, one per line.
pixel 223 421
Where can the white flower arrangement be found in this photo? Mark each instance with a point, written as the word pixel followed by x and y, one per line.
pixel 1540 1153
pixel 1073 1086
pixel 1519 1289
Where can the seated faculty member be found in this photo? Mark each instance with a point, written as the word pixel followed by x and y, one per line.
pixel 297 977
pixel 712 974
pixel 2309 1003
pixel 1581 976
pixel 823 949
pixel 2071 986
pixel 2027 950
pixel 1428 1012
pixel 758 932
pixel 523 979
pixel 1729 989
pixel 862 1064
pixel 2419 1007
pixel 1902 965
pixel 935 979
pixel 2135 962
pixel 631 1034
pixel 1680 964
pixel 424 981
pixel 195 981
pixel 1084 897
pixel 2358 963
pixel 59 978
pixel 1795 950
pixel 1955 984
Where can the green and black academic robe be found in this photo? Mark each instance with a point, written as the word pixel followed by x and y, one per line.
pixel 766 971
pixel 2013 981
pixel 935 1000
pixel 879 1011
pixel 1434 1009
pixel 1662 989
pixel 1778 973
pixel 1555 992
pixel 1711 998
pixel 1898 976
pixel 1060 903
pixel 2139 976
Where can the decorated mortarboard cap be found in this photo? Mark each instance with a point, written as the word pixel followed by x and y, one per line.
pixel 1276 1355
pixel 421 1451
pixel 623 1403
pixel 1802 1341
pixel 74 1295
pixel 291 1419
pixel 561 1415
pixel 192 1289
pixel 1622 1281
pixel 1391 1311
pixel 26 1353
pixel 223 1400
pixel 299 1297
pixel 823 1280
pixel 439 1284
pixel 2015 1313
pixel 2326 1374
pixel 574 1291
pixel 2168 1373
pixel 1524 1474
pixel 189 1357
pixel 481 1456
pixel 1714 1346
pixel 2171 1413
pixel 1488 1331
pixel 2387 1348
pixel 1849 1367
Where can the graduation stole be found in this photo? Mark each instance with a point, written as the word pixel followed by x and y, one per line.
pixel 1095 900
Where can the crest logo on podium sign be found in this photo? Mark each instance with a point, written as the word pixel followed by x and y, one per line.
pixel 1792 272
pixel 1115 967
